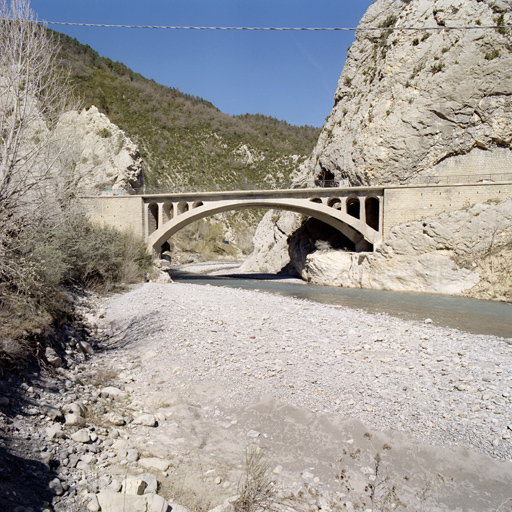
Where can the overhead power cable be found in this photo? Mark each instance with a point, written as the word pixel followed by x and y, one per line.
pixel 353 29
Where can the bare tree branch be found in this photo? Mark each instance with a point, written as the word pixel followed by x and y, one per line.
pixel 33 94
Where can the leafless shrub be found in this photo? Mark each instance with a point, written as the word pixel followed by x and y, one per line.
pixel 33 187
pixel 46 242
pixel 505 506
pixel 103 377
pixel 33 94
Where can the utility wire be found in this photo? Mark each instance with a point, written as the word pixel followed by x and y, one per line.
pixel 353 29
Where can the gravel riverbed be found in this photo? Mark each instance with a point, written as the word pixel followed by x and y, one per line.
pixel 180 382
pixel 253 360
pixel 440 385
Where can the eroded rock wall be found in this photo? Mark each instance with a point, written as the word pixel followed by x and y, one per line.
pixel 467 252
pixel 271 253
pixel 408 102
pixel 416 107
pixel 103 157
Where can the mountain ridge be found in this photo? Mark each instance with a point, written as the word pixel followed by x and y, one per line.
pixel 185 140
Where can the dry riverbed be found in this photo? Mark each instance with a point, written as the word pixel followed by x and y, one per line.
pixel 348 410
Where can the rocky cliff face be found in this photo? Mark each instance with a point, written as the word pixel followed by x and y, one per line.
pixel 414 107
pixel 104 159
pixel 468 252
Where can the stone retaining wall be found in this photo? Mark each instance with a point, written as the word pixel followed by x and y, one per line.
pixel 125 213
pixel 402 205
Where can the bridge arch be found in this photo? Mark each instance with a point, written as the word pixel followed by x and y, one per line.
pixel 372 211
pixel 153 216
pixel 182 207
pixel 354 207
pixel 168 212
pixel 356 229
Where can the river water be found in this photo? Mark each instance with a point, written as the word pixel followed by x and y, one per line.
pixel 469 315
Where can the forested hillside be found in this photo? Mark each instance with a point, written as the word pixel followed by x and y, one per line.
pixel 185 141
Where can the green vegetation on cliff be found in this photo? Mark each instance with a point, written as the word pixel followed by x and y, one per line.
pixel 185 140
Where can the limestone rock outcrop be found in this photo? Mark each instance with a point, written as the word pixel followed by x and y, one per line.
pixel 467 252
pixel 414 107
pixel 417 106
pixel 270 253
pixel 104 159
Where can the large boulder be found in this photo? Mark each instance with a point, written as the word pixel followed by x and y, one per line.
pixel 115 502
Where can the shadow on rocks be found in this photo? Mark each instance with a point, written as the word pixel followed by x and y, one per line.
pixel 24 482
pixel 119 334
pixel 25 476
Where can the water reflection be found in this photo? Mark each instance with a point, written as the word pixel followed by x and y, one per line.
pixel 470 315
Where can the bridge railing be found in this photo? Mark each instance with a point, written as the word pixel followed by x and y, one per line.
pixel 240 186
pixel 189 188
pixel 214 187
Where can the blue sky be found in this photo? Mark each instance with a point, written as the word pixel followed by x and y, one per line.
pixel 288 75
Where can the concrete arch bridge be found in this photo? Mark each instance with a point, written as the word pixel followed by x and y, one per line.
pixel 365 215
pixel 355 213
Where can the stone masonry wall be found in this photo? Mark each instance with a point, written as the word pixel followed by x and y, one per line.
pixel 407 204
pixel 125 213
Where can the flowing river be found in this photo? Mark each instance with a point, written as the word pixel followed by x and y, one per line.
pixel 469 315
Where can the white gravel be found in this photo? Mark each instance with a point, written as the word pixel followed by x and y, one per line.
pixel 442 386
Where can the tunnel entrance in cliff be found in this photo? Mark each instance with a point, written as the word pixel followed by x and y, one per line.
pixel 325 179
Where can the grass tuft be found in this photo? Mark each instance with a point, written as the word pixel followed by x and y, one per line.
pixel 255 489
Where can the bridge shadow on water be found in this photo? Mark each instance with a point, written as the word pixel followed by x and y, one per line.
pixel 189 277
